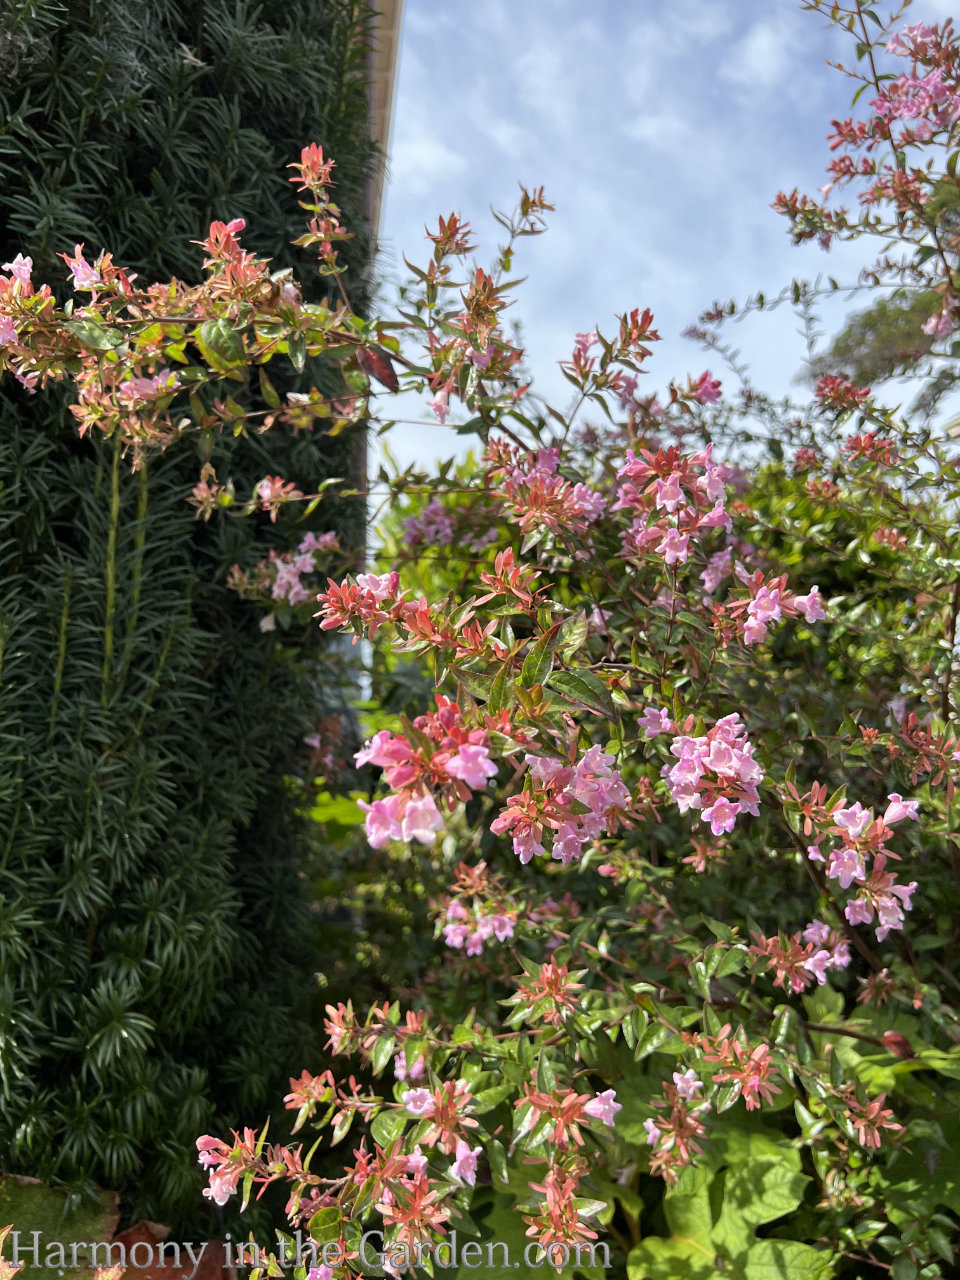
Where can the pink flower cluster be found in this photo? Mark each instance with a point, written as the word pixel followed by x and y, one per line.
pixel 840 393
pixel 471 929
pixel 227 1165
pixel 360 601
pixel 715 773
pixel 863 837
pixel 676 499
pixel 706 389
pixel 674 1137
pixel 289 567
pixel 135 391
pixel 457 763
pixel 769 602
pixel 538 495
pixel 912 42
pixel 719 566
pixel 14 290
pixel 833 951
pixel 928 99
pixel 550 805
pixel 434 526
pixel 798 959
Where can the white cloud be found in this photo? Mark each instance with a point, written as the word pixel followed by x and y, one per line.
pixel 661 132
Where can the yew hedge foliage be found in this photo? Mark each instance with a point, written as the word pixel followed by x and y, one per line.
pixel 144 778
pixel 683 796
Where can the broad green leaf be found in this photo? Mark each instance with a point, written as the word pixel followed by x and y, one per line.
pixel 220 346
pixel 388 1126
pixel 503 689
pixel 539 661
pixel 658 1259
pixel 786 1260
pixel 586 689
pixel 93 335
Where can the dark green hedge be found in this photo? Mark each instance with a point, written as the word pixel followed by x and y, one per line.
pixel 156 948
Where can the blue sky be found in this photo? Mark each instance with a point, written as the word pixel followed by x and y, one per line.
pixel 660 129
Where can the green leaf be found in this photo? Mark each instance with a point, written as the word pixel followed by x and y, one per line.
pixel 747 1179
pixel 324 1226
pixel 658 1259
pixel 573 632
pixel 498 1160
pixel 585 689
pixel 503 690
pixel 220 346
pixel 786 1260
pixel 539 661
pixel 652 1038
pixel 297 348
pixel 487 1099
pixel 94 337
pixel 388 1126
pixel 268 391
pixel 382 1053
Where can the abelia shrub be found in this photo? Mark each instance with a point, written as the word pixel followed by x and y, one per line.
pixel 691 759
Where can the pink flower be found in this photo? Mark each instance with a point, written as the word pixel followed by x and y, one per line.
pixel 502 927
pixel 718 568
pixel 8 332
pixel 464 1167
pixel 419 1102
pixel 687 1084
pixel 135 390
pixel 455 935
pixel 440 404
pixel 603 1107
pixel 403 1072
pixel 421 819
pixel 853 820
pixel 939 326
pixel 811 604
pixel 223 1184
pixel 385 750
pixel 322 1272
pixel 380 586
pixel 858 911
pixel 473 766
pixel 416 1163
pixel 816 932
pixel 674 547
pixel 898 809
pixel 20 268
pixel 655 720
pixel 82 274
pixel 653 1133
pixel 818 964
pixel 382 824
pixel 846 865
pixel 754 631
pixel 765 606
pixel 722 815
pixel 584 341
pixel 706 389
pixel 669 493
pixel 889 916
pixel 627 390
pixel 526 845
pixel 325 542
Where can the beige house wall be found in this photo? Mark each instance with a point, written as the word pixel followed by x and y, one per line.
pixel 388 15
